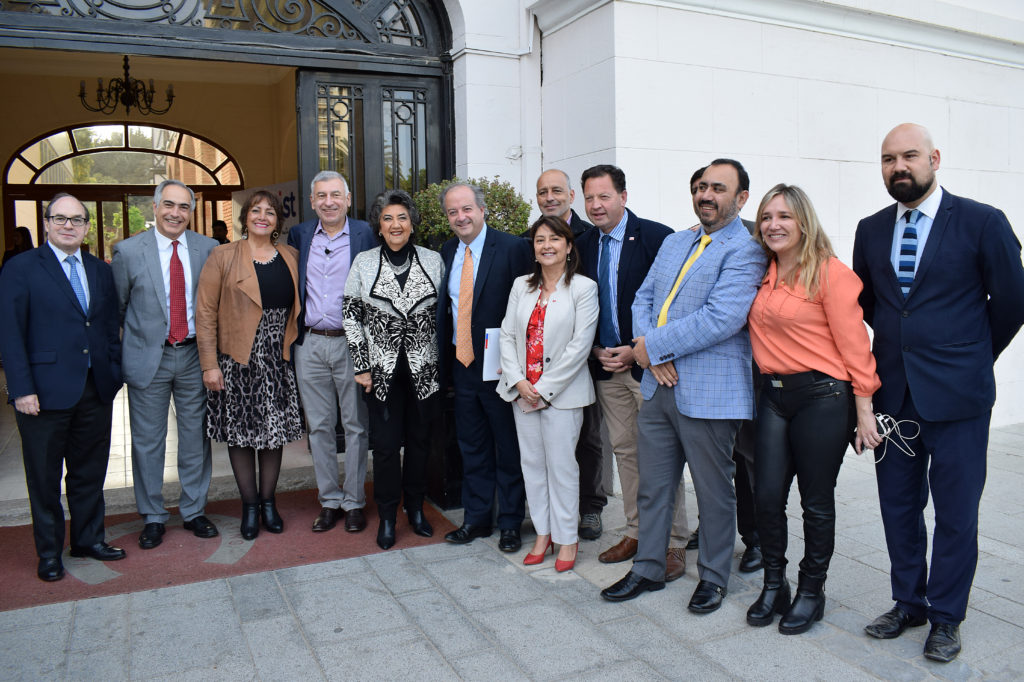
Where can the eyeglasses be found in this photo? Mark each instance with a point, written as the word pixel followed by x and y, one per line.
pixel 62 220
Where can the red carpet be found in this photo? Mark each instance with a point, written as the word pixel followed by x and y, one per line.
pixel 183 558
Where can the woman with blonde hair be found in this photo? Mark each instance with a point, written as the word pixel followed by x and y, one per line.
pixel 810 343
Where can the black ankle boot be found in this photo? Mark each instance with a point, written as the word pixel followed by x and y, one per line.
pixel 419 523
pixel 272 521
pixel 775 598
pixel 250 520
pixel 808 606
pixel 386 534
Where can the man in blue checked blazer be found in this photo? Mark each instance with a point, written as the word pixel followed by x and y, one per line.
pixel 689 318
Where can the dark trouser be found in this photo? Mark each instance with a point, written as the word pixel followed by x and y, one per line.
pixel 400 420
pixel 486 432
pixel 743 456
pixel 801 431
pixel 590 458
pixel 79 436
pixel 950 461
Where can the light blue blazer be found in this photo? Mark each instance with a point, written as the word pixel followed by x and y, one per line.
pixel 569 325
pixel 705 336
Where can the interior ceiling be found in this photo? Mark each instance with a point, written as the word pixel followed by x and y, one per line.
pixel 92 65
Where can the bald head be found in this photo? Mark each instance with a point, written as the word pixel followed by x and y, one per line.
pixel 554 196
pixel 909 162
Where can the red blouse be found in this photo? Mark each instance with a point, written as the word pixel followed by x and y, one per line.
pixel 535 342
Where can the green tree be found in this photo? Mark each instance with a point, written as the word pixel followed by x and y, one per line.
pixel 506 209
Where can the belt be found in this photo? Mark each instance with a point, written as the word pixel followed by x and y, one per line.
pixel 788 382
pixel 181 344
pixel 326 332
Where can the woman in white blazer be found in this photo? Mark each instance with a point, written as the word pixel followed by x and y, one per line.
pixel 546 336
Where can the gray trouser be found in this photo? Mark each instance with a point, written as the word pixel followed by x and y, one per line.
pixel 323 367
pixel 667 441
pixel 178 375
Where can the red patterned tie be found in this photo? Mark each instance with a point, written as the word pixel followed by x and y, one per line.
pixel 179 318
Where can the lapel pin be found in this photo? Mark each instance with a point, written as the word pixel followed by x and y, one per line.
pixel 632 238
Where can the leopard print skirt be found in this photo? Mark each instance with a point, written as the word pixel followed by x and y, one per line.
pixel 259 406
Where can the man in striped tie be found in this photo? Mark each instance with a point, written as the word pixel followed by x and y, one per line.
pixel 59 336
pixel 944 294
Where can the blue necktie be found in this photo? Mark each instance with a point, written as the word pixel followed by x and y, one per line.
pixel 908 251
pixel 76 283
pixel 606 316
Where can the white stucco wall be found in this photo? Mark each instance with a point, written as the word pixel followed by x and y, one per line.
pixel 799 92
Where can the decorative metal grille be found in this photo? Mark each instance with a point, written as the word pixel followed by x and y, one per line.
pixel 399 25
pixel 339 113
pixel 405 149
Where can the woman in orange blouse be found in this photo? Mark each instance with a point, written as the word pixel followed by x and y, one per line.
pixel 810 343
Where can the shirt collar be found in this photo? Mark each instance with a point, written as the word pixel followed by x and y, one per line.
pixel 163 242
pixel 321 230
pixel 928 207
pixel 618 232
pixel 478 243
pixel 61 255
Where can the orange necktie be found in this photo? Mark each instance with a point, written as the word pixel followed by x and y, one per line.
pixel 463 330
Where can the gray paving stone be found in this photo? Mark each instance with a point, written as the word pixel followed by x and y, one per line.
pixel 193 593
pixel 206 635
pixel 582 596
pixel 865 654
pixel 257 597
pixel 662 650
pixel 547 642
pixel 483 581
pixel 101 623
pixel 398 573
pixel 446 551
pixel 1006 666
pixel 279 651
pixel 324 571
pixel 336 609
pixel 631 670
pixel 984 636
pixel 443 623
pixel 37 615
pixel 108 664
pixel 395 655
pixel 34 652
pixel 487 666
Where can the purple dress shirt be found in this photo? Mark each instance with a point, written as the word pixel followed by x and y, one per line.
pixel 326 272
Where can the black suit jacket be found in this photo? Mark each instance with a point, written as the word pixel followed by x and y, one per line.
pixel 504 258
pixel 578 225
pixel 640 245
pixel 47 340
pixel 964 307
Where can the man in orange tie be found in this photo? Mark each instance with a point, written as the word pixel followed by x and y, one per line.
pixel 481 264
pixel 689 318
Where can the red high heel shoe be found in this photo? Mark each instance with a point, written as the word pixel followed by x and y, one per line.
pixel 534 559
pixel 563 566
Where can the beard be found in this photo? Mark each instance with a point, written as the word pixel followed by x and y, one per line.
pixel 722 216
pixel 908 193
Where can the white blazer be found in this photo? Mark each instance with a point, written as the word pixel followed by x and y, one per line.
pixel 569 326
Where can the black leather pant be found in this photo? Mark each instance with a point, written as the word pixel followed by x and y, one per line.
pixel 803 428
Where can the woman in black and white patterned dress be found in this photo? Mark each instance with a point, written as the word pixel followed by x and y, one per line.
pixel 390 321
pixel 246 320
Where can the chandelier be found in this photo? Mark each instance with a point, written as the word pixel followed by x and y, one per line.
pixel 127 91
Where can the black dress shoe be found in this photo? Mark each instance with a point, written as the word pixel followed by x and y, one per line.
pixel 892 623
pixel 631 587
pixel 327 519
pixel 467 532
pixel 201 527
pixel 510 541
pixel 386 534
pixel 707 597
pixel 943 643
pixel 751 559
pixel 272 521
pixel 355 520
pixel 50 570
pixel 694 541
pixel 250 527
pixel 419 523
pixel 152 535
pixel 101 551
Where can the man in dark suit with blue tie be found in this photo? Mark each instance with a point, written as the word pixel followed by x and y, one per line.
pixel 944 293
pixel 481 264
pixel 62 355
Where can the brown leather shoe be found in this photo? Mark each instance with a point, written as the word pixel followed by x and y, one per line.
pixel 327 519
pixel 626 549
pixel 675 563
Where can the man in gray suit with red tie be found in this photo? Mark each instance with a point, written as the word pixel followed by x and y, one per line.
pixel 62 356
pixel 156 273
pixel 944 294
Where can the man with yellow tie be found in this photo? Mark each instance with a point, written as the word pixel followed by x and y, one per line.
pixel 689 318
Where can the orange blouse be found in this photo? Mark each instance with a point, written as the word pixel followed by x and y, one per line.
pixel 791 334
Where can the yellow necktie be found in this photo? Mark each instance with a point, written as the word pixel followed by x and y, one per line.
pixel 463 329
pixel 663 315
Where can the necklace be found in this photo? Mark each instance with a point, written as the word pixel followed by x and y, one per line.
pixel 265 262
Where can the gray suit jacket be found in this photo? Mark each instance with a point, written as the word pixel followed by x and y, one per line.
pixel 143 300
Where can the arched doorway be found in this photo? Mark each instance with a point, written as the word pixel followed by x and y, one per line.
pixel 112 168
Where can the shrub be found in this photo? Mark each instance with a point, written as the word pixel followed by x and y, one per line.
pixel 506 210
